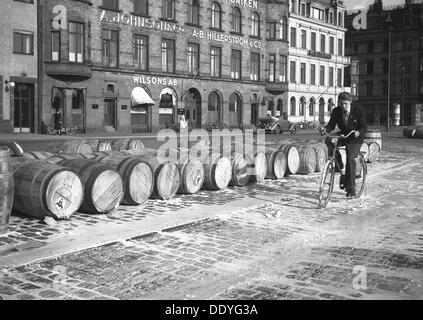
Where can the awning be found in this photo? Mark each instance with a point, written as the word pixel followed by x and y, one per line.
pixel 139 96
pixel 168 91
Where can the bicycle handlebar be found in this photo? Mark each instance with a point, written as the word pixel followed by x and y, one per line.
pixel 340 136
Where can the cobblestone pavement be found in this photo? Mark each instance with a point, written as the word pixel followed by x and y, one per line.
pixel 281 247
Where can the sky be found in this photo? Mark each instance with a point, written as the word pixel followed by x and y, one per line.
pixel 349 4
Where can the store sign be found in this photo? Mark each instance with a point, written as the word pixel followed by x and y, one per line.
pixel 318 54
pixel 220 37
pixel 140 22
pixel 141 79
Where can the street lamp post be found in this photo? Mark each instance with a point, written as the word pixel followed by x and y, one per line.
pixel 388 21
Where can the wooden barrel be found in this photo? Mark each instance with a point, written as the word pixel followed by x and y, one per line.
pixel 276 163
pixel 127 144
pixel 70 146
pixel 258 167
pixel 292 157
pixel 239 163
pixel 93 143
pixel 166 174
pixel 66 156
pixel 419 132
pixel 14 148
pixel 104 145
pixel 137 177
pixel 365 148
pixel 308 158
pixel 373 136
pixel 409 132
pixel 217 171
pixel 103 185
pixel 192 174
pixel 7 189
pixel 44 189
pixel 321 153
pixel 374 152
pixel 40 155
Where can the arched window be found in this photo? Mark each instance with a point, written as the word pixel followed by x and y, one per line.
pixel 255 24
pixel 283 31
pixel 194 12
pixel 302 106
pixel 279 107
pixel 214 102
pixel 311 108
pixel 234 103
pixel 216 16
pixel 236 20
pixel 293 107
pixel 330 105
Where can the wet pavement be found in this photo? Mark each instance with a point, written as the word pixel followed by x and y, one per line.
pixel 264 241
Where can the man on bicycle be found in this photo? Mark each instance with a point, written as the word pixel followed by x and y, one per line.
pixel 347 119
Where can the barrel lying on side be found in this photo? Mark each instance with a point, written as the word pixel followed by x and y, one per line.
pixel 374 152
pixel 136 175
pixel 14 148
pixel 127 144
pixel 7 189
pixel 103 185
pixel 321 153
pixel 409 132
pixel 192 173
pixel 258 167
pixel 292 157
pixel 45 189
pixel 70 146
pixel 40 155
pixel 276 163
pixel 308 158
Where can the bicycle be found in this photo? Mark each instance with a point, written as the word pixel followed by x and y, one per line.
pixel 330 168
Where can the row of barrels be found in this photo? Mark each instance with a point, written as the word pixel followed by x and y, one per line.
pixel 413 132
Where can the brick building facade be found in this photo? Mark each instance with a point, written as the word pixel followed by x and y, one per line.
pixel 206 59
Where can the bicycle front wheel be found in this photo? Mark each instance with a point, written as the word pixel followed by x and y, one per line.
pixel 360 177
pixel 326 184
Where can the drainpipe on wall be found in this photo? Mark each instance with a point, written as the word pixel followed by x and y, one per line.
pixel 39 64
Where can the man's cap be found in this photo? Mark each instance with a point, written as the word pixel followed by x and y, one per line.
pixel 344 96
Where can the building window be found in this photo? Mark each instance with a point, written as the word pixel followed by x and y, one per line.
pixel 23 42
pixel 303 39
pixel 302 106
pixel 141 52
pixel 331 20
pixel 384 87
pixel 340 22
pixel 293 37
pixel 294 6
pixel 216 16
pixel 215 61
pixel 194 12
pixel 407 86
pixel 271 30
pixel 272 67
pixel 255 24
pixel 168 9
pixel 322 43
pixel 303 73
pixel 313 41
pixel 292 107
pixel 406 64
pixel 141 7
pixel 331 77
pixel 312 74
pixel 322 75
pixel 354 67
pixel 236 64
pixel 234 103
pixel 369 88
pixel 26 1
pixel 110 4
pixel 370 46
pixel 340 48
pixel 110 49
pixel 76 42
pixel 214 102
pixel 55 46
pixel 168 55
pixel 292 68
pixel 369 67
pixel 331 45
pixel 193 57
pixel 311 107
pixel 236 20
pixel 303 9
pixel 283 72
pixel 255 66
pixel 283 32
pixel 339 77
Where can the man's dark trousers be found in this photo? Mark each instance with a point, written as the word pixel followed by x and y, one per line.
pixel 352 150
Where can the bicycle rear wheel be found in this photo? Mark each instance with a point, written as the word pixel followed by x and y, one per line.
pixel 361 173
pixel 326 184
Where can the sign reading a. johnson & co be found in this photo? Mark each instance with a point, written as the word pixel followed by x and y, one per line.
pixel 142 79
pixel 318 54
pixel 140 22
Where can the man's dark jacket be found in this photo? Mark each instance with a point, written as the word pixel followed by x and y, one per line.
pixel 356 121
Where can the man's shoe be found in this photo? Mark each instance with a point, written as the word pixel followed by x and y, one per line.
pixel 342 181
pixel 351 194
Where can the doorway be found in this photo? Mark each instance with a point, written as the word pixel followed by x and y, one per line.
pixel 110 113
pixel 24 108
